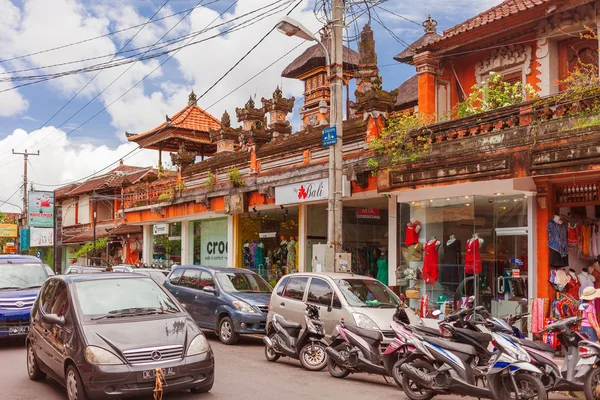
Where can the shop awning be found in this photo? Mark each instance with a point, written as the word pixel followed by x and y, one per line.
pixel 125 229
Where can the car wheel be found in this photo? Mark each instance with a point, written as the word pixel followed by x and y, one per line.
pixel 313 357
pixel 33 369
pixel 227 334
pixel 202 389
pixel 75 389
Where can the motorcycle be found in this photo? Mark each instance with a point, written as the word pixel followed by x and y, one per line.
pixel 445 367
pixel 283 339
pixel 589 365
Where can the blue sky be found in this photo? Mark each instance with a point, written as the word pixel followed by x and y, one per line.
pixel 33 25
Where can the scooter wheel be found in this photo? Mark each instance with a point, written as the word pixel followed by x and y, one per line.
pixel 411 389
pixel 529 387
pixel 270 354
pixel 591 385
pixel 336 370
pixel 313 357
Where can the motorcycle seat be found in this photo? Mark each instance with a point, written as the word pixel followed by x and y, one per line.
pixel 428 331
pixel 479 336
pixel 366 333
pixel 534 345
pixel 458 347
pixel 288 324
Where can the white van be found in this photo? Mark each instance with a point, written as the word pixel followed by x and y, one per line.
pixel 358 300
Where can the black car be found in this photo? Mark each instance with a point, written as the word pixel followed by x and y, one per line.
pixel 106 335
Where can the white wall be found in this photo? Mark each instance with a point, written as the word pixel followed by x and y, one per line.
pixel 84 209
pixel 68 212
pixel 104 210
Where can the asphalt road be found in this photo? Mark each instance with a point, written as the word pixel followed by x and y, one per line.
pixel 241 373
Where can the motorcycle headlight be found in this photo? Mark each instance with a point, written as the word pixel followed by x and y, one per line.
pixel 99 356
pixel 198 345
pixel 243 306
pixel 513 349
pixel 362 321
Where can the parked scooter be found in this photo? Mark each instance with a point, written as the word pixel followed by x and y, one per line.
pixel 589 365
pixel 283 339
pixel 445 367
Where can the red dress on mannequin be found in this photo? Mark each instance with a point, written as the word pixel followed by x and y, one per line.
pixel 412 236
pixel 473 257
pixel 431 262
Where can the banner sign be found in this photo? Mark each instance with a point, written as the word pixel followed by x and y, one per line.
pixel 302 192
pixel 368 213
pixel 161 229
pixel 24 239
pixel 10 248
pixel 213 242
pixel 41 237
pixel 41 209
pixel 267 235
pixel 8 230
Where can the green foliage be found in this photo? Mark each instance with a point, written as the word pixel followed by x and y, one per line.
pixel 493 94
pixel 210 182
pixel 168 195
pixel 404 139
pixel 87 248
pixel 235 178
pixel 180 186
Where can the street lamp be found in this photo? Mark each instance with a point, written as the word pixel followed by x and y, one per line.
pixel 290 27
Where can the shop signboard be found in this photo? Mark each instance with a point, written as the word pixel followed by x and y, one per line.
pixel 267 235
pixel 161 229
pixel 10 248
pixel 24 239
pixel 368 213
pixel 329 136
pixel 213 242
pixel 302 192
pixel 8 230
pixel 41 209
pixel 41 237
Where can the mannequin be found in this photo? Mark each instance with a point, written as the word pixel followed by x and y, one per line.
pixel 283 252
pixel 558 242
pixel 246 257
pixel 586 280
pixel 259 258
pixel 573 286
pixel 253 253
pixel 473 256
pixel 382 269
pixel 451 260
pixel 412 232
pixel 594 270
pixel 431 261
pixel 291 254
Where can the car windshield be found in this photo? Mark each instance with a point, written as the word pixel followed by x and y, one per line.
pixel 233 282
pixel 112 296
pixel 367 293
pixel 21 276
pixel 156 275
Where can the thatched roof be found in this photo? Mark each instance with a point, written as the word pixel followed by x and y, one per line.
pixel 313 57
pixel 408 92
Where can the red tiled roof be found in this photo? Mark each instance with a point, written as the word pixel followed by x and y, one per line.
pixel 86 236
pixel 191 118
pixel 124 229
pixel 113 179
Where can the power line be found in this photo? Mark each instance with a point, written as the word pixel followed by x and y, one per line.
pixel 400 16
pixel 11 196
pixel 377 19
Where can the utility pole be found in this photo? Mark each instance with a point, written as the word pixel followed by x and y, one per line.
pixel 25 155
pixel 337 115
pixel 93 200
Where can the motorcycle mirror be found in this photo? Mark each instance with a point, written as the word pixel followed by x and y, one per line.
pixel 471 300
pixel 523 302
pixel 436 313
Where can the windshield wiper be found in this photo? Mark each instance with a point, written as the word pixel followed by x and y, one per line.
pixel 10 287
pixel 134 311
pixel 30 287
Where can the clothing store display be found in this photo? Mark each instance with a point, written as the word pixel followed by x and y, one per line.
pixel 595 272
pixel 252 253
pixel 473 257
pixel 451 262
pixel 412 232
pixel 594 250
pixel 573 234
pixel 246 257
pixel 558 261
pixel 291 255
pixel 558 243
pixel 586 236
pixel 382 270
pixel 415 252
pixel 572 287
pixel 586 280
pixel 259 255
pixel 431 262
pixel 283 251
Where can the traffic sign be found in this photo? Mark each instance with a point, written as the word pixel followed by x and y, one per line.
pixel 329 136
pixel 39 254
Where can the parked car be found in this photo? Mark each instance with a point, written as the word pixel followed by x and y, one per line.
pixel 231 301
pixel 158 275
pixel 77 269
pixel 122 268
pixel 92 335
pixel 359 300
pixel 49 270
pixel 20 280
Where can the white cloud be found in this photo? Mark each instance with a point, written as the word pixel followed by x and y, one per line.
pixel 62 162
pixel 11 102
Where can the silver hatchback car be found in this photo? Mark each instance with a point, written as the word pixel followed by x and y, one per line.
pixel 358 300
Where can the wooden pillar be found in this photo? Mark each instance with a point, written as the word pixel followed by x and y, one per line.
pixel 542 262
pixel 160 147
pixel 427 66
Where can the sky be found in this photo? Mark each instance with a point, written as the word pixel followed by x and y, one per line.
pixel 78 121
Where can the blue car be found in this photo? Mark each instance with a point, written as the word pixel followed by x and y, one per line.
pixel 20 280
pixel 230 301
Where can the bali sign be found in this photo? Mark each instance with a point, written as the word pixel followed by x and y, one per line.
pixel 8 230
pixel 41 209
pixel 302 192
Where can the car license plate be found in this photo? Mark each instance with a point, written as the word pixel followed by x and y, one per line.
pixel 151 373
pixel 587 361
pixel 18 330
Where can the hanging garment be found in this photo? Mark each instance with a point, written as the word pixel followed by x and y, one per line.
pixel 573 237
pixel 451 262
pixel 252 254
pixel 431 262
pixel 558 261
pixel 586 234
pixel 596 274
pixel 259 255
pixel 586 280
pixel 246 257
pixel 382 271
pixel 557 238
pixel 412 236
pixel 594 251
pixel 572 288
pixel 473 257
pixel 291 255
pixel 415 252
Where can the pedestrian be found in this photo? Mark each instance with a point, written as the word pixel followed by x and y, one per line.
pixel 589 322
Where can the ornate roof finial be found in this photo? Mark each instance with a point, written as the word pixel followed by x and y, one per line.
pixel 192 99
pixel 225 120
pixel 250 104
pixel 430 24
pixel 277 94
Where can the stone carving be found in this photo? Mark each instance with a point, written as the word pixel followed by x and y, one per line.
pixel 563 22
pixel 504 58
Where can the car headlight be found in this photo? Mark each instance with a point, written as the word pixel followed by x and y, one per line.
pixel 243 306
pixel 362 321
pixel 99 356
pixel 199 345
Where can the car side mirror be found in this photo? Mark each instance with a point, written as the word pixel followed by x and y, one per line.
pixel 329 308
pixel 210 289
pixel 53 319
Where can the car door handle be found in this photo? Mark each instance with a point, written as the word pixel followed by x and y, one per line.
pixel 282 304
